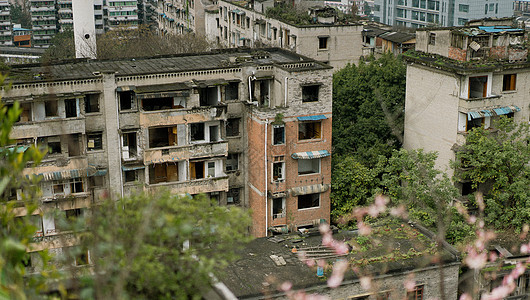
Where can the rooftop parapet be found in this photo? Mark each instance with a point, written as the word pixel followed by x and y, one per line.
pixel 475 43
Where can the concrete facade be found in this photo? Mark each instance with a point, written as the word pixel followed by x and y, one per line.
pixel 421 13
pixel 326 40
pixel 189 124
pixel 445 98
pixel 5 24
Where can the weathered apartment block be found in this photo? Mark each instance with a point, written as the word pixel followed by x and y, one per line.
pixel 248 128
pixel 462 78
pixel 5 24
pixel 324 38
pixel 183 16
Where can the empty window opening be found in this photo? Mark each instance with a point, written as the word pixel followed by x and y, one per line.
pixel 278 208
pixel 25 115
pixel 94 141
pixel 196 170
pixel 208 96
pixel 58 187
pixel 232 162
pixel 126 100
pixel 308 166
pixel 51 109
pixel 474 123
pixel 308 201
pixel 278 135
pixel 232 91
pixel 91 103
pixel 508 82
pixel 214 133
pixel 323 42
pixel 74 146
pixel 310 93
pixel 162 137
pixel 82 258
pixel 157 104
pixel 164 172
pixel 76 185
pixel 478 87
pixel 232 127
pixel 197 132
pixel 74 214
pixel 432 38
pixel 232 196
pixel 309 130
pixel 70 107
pixel 96 181
pixel 417 293
pixel 129 145
pixel 467 188
pixel 131 175
pixel 278 172
pixel 264 92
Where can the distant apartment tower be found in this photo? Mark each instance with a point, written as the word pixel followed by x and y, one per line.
pixel 182 16
pixel 122 13
pixel 446 13
pixel 65 15
pixel 44 22
pixel 5 24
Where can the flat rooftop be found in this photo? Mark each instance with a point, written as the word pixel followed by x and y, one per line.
pixel 393 247
pixel 217 59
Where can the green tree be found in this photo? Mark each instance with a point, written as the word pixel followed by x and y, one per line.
pixel 20 15
pixel 62 47
pixel 496 162
pixel 158 246
pixel 16 233
pixel 368 104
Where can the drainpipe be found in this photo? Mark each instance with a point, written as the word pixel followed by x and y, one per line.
pixel 265 195
pixel 285 99
pixel 120 153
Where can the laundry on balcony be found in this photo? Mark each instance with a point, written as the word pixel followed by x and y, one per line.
pixel 310 154
pixel 492 112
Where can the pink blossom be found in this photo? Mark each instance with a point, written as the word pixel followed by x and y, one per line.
pixel 472 220
pixel 525 248
pixel 409 284
pixel 366 282
pixel 399 211
pixel 321 263
pixel 493 256
pixel 363 228
pixel 499 292
pixel 339 268
pixel 465 296
pixel 286 286
pixel 324 228
pixel 475 260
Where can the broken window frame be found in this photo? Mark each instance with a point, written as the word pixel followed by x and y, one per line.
pixel 131 143
pixel 308 201
pixel 208 95
pixel 432 39
pixel 130 176
pixel 278 171
pixel 232 162
pixel 416 294
pixel 323 42
pixel 475 81
pixel 198 168
pixel 51 109
pixel 77 185
pixel 71 107
pixel 278 212
pixel 314 127
pixel 123 96
pixel 232 90
pixel 278 134
pixel 97 141
pixel 232 127
pixel 509 82
pixel 233 196
pixel 92 103
pixel 196 134
pixel 310 93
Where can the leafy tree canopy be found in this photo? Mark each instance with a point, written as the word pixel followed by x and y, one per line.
pixel 496 162
pixel 20 15
pixel 368 104
pixel 159 246
pixel 129 43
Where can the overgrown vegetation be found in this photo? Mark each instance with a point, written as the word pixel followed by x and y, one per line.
pixel 288 14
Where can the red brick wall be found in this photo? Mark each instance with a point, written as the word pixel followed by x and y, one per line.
pixel 292 145
pixel 457 53
pixel 498 52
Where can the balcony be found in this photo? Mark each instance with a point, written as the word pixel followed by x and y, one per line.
pixel 205 185
pixel 48 127
pixel 59 164
pixel 176 116
pixel 178 153
pixel 479 103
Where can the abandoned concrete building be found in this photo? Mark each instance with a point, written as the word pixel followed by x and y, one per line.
pixel 249 128
pixel 395 252
pixel 461 78
pixel 319 34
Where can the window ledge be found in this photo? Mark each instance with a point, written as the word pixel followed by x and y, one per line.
pixel 95 151
pixel 310 140
pixel 92 114
pixel 302 209
pixel 509 92
pixel 481 98
pixel 308 174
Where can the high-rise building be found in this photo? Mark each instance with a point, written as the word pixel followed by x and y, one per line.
pixel 5 24
pixel 446 13
pixel 44 22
